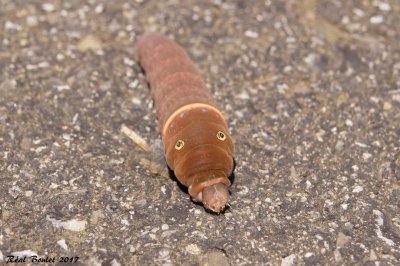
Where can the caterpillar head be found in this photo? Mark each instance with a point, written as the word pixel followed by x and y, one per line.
pixel 214 197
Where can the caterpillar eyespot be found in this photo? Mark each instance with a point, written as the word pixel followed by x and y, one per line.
pixel 221 135
pixel 186 111
pixel 179 144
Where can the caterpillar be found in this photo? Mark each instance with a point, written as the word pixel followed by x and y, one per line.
pixel 196 139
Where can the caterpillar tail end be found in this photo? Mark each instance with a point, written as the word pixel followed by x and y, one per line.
pixel 215 197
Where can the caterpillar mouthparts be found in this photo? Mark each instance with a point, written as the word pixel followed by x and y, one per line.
pixel 215 197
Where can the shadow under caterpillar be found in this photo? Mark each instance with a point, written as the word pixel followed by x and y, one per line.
pixel 196 139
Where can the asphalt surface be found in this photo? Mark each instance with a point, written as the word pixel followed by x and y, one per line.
pixel 311 92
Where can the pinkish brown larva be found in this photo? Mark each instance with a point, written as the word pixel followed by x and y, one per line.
pixel 195 136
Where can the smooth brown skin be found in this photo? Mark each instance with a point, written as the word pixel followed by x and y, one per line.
pixel 205 162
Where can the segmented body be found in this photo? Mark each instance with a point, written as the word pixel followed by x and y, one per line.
pixel 195 136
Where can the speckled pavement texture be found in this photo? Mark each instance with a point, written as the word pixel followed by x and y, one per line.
pixel 311 92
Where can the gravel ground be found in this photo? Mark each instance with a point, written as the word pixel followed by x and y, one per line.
pixel 311 92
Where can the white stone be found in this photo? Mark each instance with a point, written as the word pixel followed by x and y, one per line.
pixel 378 19
pixel 164 227
pixel 289 260
pixel 379 223
pixel 251 34
pixel 193 249
pixel 308 254
pixel 348 123
pixel 383 6
pixel 366 155
pixel 48 7
pixel 72 225
pixel 99 8
pixel 114 262
pixel 357 189
pixel 62 244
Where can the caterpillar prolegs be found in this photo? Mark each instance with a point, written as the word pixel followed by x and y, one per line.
pixel 197 144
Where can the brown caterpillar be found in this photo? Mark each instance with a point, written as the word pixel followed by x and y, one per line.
pixel 195 136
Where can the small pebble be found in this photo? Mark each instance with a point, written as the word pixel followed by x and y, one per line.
pixel 376 19
pixel 62 244
pixel 193 249
pixel 251 34
pixel 48 7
